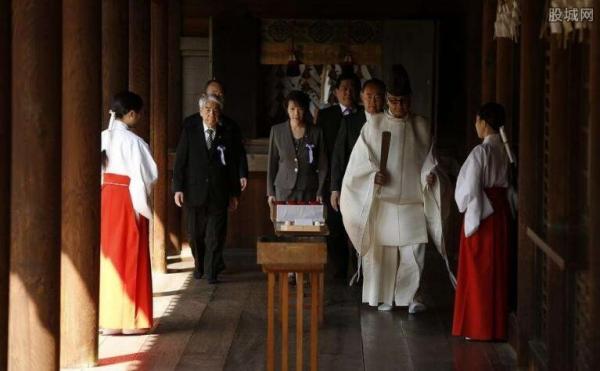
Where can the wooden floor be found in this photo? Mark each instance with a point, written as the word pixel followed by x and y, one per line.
pixel 223 327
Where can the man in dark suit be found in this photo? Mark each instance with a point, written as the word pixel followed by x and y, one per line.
pixel 330 119
pixel 215 87
pixel 373 97
pixel 206 182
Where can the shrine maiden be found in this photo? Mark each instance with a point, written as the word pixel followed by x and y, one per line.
pixel 128 174
pixel 480 308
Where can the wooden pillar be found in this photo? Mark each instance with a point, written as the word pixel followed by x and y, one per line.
pixel 81 104
pixel 474 71
pixel 505 88
pixel 139 59
pixel 115 46
pixel 4 174
pixel 158 127
pixel 558 201
pixel 175 119
pixel 594 188
pixel 34 305
pixel 530 165
pixel 488 51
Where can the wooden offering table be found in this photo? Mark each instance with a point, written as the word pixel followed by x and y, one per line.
pixel 302 254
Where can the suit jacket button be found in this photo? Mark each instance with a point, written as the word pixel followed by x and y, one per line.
pixel 296 159
pixel 206 180
pixel 296 170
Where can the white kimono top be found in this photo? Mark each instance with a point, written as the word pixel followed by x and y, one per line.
pixel 129 155
pixel 486 167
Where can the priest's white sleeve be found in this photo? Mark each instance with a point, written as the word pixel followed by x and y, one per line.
pixel 358 194
pixel 144 173
pixel 435 207
pixel 469 195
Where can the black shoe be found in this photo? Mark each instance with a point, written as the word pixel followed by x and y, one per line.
pixel 197 275
pixel 213 281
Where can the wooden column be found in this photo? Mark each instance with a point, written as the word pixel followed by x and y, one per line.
pixel 81 104
pixel 474 71
pixel 4 174
pixel 115 46
pixel 175 119
pixel 594 188
pixel 235 36
pixel 530 165
pixel 505 88
pixel 488 51
pixel 158 127
pixel 558 201
pixel 139 59
pixel 35 186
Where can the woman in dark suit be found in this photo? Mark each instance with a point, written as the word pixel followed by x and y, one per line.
pixel 297 161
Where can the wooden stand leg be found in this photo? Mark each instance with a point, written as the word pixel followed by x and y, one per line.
pixel 321 297
pixel 314 320
pixel 284 321
pixel 299 320
pixel 271 323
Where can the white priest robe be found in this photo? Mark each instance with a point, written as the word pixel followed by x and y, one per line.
pixel 389 225
pixel 129 155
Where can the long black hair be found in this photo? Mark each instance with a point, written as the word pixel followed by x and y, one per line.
pixel 121 104
pixel 493 114
pixel 124 102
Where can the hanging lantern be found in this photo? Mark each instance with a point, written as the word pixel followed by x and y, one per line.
pixel 348 65
pixel 293 66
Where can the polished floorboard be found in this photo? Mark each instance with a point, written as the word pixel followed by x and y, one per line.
pixel 223 327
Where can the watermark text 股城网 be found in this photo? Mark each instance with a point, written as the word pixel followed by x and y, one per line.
pixel 571 15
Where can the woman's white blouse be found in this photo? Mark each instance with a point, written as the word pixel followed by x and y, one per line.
pixel 486 167
pixel 129 155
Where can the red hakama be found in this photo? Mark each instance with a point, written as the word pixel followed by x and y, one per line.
pixel 125 275
pixel 480 306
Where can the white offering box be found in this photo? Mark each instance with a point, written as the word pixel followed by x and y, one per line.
pixel 300 214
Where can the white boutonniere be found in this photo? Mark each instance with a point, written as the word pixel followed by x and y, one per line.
pixel 311 157
pixel 221 150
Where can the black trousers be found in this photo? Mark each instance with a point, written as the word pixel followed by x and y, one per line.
pixel 338 249
pixel 207 229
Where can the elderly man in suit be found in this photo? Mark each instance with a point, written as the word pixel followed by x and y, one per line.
pixel 373 98
pixel 206 182
pixel 330 120
pixel 215 87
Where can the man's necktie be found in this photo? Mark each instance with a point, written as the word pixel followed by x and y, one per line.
pixel 210 138
pixel 347 111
